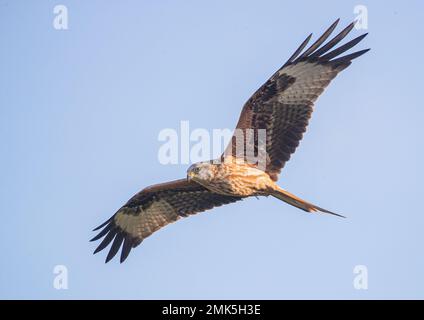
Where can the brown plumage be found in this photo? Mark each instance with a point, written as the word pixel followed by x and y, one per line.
pixel 282 107
pixel 154 208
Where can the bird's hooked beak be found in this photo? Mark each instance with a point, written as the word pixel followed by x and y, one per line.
pixel 190 176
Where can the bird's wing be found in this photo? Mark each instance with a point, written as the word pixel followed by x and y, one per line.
pixel 284 104
pixel 152 209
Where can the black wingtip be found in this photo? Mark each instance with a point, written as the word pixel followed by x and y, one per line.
pixel 102 233
pixel 298 50
pixel 348 58
pixel 323 53
pixel 342 49
pixel 359 53
pixel 335 23
pixel 108 258
pixel 108 239
pixel 97 250
pixel 333 42
pixel 103 224
pixel 126 249
pixel 117 242
pixel 319 41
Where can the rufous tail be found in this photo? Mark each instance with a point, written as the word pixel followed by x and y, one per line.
pixel 297 202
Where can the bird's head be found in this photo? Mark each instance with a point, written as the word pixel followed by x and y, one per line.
pixel 201 171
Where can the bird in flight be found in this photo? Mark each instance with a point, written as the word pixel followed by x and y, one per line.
pixel 281 107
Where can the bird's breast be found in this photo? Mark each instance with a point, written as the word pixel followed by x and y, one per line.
pixel 240 180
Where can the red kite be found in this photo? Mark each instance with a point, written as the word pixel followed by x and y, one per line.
pixel 282 106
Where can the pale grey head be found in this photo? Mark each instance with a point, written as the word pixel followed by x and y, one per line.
pixel 201 171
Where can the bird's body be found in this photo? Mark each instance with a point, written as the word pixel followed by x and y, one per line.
pixel 281 108
pixel 240 179
pixel 231 178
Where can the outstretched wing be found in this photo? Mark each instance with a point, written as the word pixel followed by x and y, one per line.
pixel 284 104
pixel 152 209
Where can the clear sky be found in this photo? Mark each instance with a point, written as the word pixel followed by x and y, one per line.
pixel 80 114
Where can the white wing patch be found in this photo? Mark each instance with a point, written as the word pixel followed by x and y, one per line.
pixel 159 214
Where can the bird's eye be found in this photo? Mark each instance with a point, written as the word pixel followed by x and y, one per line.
pixel 196 170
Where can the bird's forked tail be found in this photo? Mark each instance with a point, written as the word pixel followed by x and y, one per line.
pixel 297 202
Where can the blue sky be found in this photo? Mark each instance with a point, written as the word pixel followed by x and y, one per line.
pixel 80 114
